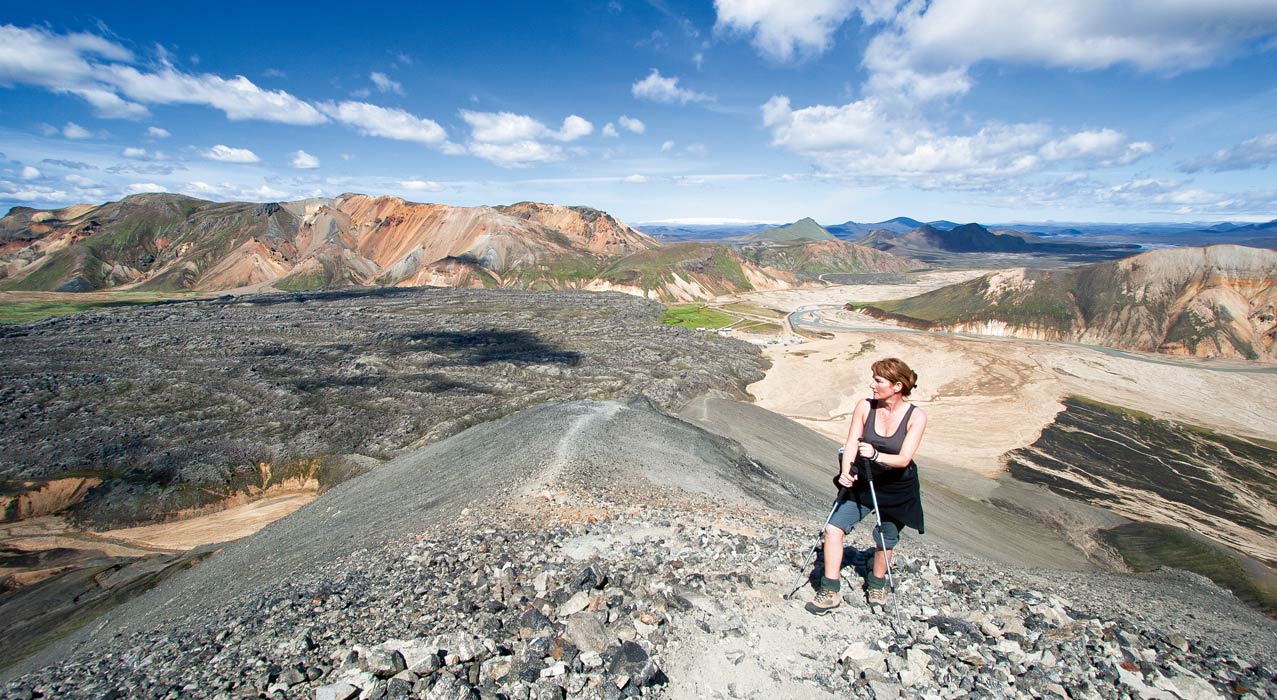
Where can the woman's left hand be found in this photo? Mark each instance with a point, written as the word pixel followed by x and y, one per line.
pixel 866 450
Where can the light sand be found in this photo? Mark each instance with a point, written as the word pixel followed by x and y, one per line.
pixel 985 397
pixel 49 532
pixel 222 526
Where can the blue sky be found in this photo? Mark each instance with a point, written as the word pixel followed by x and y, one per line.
pixel 759 110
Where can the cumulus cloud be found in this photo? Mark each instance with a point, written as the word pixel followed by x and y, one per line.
pixel 101 72
pixel 75 131
pixel 658 88
pixel 144 187
pixel 636 179
pixel 517 140
pixel 667 146
pixel 384 83
pixel 226 154
pixel 132 152
pixel 1251 153
pixel 304 161
pixel 29 173
pixel 609 130
pixel 941 40
pixel 157 132
pixel 516 154
pixel 238 98
pixel 372 120
pixel 783 30
pixel 867 137
pixel 632 125
pixel 421 185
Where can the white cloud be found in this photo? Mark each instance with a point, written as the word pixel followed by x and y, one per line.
pixel 784 30
pixel 657 88
pixel 385 84
pixel 507 127
pixel 157 132
pixel 421 185
pixel 667 146
pixel 239 98
pixel 100 72
pixel 636 179
pixel 75 131
pixel 227 154
pixel 1105 147
pixel 1251 153
pixel 227 191
pixel 631 125
pixel 304 161
pixel 867 137
pixel 927 45
pixel 574 127
pixel 610 131
pixel 371 120
pixel 517 140
pixel 132 152
pixel 143 187
pixel 516 154
pixel 29 173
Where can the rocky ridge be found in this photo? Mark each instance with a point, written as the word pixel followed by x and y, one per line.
pixel 585 596
pixel 627 553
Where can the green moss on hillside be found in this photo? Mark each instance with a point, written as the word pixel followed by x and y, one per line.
pixel 1147 546
pixel 696 316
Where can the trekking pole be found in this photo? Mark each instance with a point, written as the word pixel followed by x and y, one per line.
pixel 804 574
pixel 882 542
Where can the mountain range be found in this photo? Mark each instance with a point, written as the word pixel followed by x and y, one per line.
pixel 1206 302
pixel 168 242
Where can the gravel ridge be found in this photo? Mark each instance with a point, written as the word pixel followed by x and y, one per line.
pixel 632 554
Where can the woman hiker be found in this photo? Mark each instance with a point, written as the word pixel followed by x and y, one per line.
pixel 885 432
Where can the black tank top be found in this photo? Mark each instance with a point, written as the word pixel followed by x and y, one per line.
pixel 899 495
pixel 893 443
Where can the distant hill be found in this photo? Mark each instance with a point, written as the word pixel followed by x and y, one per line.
pixel 968 238
pixel 803 229
pixel 812 258
pixel 1215 301
pixel 853 230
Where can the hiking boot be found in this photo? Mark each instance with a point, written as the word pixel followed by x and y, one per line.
pixel 824 602
pixel 878 596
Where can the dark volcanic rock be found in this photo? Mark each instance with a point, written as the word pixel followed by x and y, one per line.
pixel 174 405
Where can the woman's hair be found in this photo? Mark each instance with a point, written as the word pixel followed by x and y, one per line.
pixel 895 370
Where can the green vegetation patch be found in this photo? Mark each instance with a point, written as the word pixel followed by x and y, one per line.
pixel 696 316
pixel 1147 546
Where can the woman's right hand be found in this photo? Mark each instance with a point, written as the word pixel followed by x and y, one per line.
pixel 846 479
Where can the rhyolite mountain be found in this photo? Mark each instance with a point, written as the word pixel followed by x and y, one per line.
pixel 167 242
pixel 1216 301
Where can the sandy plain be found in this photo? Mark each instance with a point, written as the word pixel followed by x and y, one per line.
pixel 989 395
